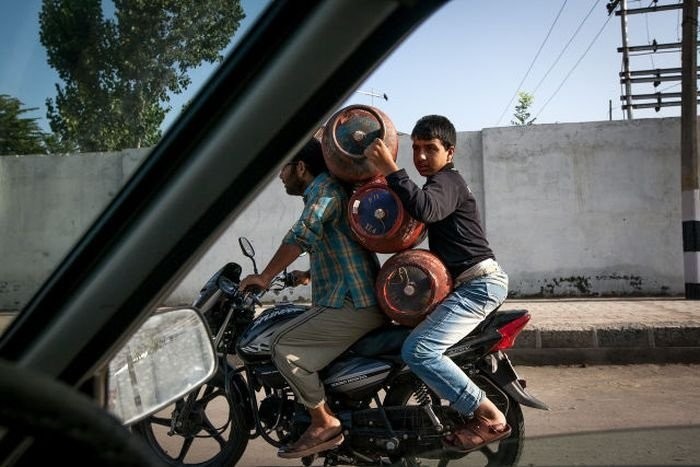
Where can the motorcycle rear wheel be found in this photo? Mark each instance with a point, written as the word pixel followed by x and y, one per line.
pixel 503 453
pixel 203 439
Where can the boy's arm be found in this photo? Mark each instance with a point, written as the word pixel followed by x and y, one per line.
pixel 431 204
pixel 434 202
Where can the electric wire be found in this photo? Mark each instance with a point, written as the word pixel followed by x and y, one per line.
pixel 565 47
pixel 669 87
pixel 575 65
pixel 532 63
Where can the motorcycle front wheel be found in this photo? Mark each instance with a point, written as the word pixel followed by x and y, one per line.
pixel 207 430
pixel 502 453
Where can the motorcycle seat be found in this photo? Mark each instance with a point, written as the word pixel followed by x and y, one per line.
pixel 383 341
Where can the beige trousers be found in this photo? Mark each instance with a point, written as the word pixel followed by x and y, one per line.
pixel 311 341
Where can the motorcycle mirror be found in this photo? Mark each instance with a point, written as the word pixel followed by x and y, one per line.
pixel 246 247
pixel 248 250
pixel 143 377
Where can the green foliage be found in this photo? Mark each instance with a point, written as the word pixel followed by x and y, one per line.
pixel 18 134
pixel 118 73
pixel 522 113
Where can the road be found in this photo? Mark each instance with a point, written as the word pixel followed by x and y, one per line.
pixel 599 415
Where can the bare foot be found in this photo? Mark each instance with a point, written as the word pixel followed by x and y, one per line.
pixel 496 423
pixel 488 414
pixel 315 435
pixel 474 435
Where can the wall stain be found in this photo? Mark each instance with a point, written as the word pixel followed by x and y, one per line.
pixel 591 286
pixel 580 283
pixel 634 281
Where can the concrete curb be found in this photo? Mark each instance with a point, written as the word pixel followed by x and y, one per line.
pixel 600 331
pixel 595 346
pixel 608 331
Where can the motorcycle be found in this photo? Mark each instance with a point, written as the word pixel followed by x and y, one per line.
pixel 389 416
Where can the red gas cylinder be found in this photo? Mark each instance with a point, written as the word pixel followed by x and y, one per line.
pixel 380 222
pixel 410 284
pixel 346 135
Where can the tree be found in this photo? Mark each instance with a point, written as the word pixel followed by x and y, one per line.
pixel 522 114
pixel 18 134
pixel 118 73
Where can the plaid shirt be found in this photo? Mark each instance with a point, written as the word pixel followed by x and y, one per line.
pixel 339 265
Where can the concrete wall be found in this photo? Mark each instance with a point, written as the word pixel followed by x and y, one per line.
pixel 46 202
pixel 570 209
pixel 589 208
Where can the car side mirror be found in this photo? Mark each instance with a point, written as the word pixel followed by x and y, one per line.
pixel 169 356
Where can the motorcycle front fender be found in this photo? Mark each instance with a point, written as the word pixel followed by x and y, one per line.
pixel 237 391
pixel 499 369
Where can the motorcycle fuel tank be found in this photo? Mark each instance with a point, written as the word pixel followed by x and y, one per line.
pixel 256 341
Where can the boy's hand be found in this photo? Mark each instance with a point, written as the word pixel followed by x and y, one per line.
pixel 379 155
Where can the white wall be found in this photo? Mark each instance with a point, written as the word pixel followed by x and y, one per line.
pixel 586 208
pixel 46 202
pixel 569 209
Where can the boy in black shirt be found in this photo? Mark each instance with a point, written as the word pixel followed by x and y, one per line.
pixel 448 207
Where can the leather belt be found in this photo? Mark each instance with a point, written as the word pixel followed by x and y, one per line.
pixel 480 269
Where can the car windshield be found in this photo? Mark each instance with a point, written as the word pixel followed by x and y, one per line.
pixel 87 89
pixel 141 141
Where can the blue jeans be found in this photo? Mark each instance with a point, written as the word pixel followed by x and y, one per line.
pixel 455 317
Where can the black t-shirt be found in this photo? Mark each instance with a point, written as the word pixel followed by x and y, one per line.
pixel 448 207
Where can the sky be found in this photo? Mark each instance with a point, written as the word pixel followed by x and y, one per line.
pixel 466 62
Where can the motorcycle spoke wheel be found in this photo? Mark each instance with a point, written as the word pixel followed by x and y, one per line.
pixel 213 434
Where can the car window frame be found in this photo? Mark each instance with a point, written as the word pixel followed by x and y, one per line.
pixel 300 59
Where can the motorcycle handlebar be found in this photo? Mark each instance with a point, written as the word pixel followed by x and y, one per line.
pixel 289 280
pixel 253 298
pixel 253 295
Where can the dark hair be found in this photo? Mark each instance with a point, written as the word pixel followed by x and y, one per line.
pixel 435 126
pixel 312 156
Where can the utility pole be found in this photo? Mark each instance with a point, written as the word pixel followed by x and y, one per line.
pixel 654 76
pixel 626 59
pixel 690 188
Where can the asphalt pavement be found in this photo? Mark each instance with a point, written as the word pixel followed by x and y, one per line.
pixel 600 331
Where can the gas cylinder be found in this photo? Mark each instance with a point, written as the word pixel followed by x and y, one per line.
pixel 379 221
pixel 410 284
pixel 346 135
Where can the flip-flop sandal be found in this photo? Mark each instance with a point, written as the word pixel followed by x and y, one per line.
pixel 486 433
pixel 290 453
